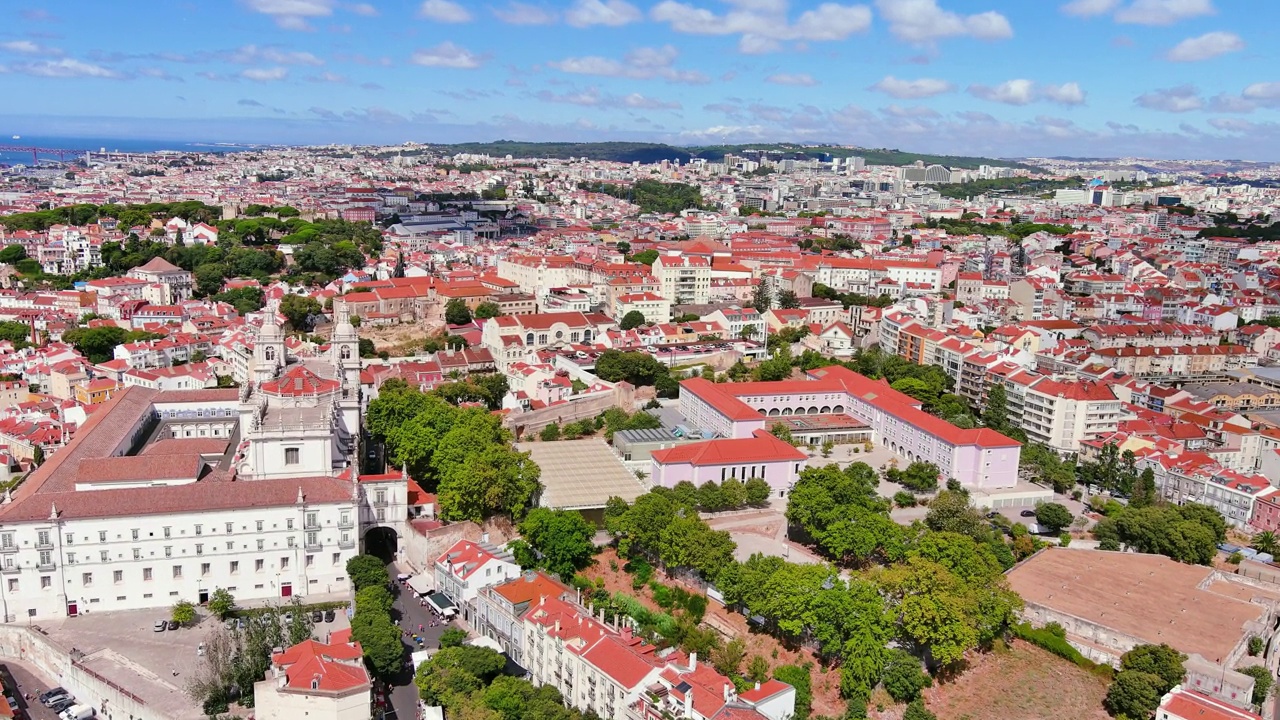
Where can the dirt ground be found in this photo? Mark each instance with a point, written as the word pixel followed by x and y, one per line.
pixel 826 686
pixel 1020 683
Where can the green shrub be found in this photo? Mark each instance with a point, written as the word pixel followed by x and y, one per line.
pixel 1053 639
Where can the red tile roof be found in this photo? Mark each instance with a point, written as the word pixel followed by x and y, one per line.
pixel 761 448
pixel 334 668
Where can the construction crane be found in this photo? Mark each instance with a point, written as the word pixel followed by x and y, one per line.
pixel 62 153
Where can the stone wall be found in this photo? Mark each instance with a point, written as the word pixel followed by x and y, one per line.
pixel 55 662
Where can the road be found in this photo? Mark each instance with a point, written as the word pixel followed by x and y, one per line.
pixel 408 613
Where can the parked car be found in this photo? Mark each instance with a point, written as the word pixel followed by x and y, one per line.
pixel 161 625
pixel 1028 513
pixel 78 712
pixel 60 705
pixel 317 616
pixel 173 625
pixel 288 618
pixel 329 615
pixel 52 694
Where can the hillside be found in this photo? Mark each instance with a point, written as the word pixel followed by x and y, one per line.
pixel 657 152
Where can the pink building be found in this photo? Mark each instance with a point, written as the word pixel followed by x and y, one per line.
pixel 762 455
pixel 978 458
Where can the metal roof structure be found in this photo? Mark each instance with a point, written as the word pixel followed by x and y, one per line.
pixel 582 474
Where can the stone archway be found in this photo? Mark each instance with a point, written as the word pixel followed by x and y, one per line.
pixel 381 542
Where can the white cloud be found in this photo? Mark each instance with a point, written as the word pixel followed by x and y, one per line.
pixel 518 13
pixel 292 14
pixel 1010 92
pixel 1203 47
pixel 762 25
pixel 448 55
pixel 26 47
pixel 265 74
pixel 1089 8
pixel 67 68
pixel 1163 12
pixel 920 88
pixel 642 64
pixel 590 97
pixel 801 79
pixel 1064 94
pixel 1263 93
pixel 923 22
pixel 1179 99
pixel 364 9
pixel 250 54
pixel 1232 124
pixel 445 11
pixel 641 102
pixel 611 13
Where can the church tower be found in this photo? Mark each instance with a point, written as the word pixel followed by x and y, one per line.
pixel 344 353
pixel 268 347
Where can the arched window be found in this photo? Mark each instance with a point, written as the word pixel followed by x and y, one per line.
pixel 528 339
pixel 586 336
pixel 346 352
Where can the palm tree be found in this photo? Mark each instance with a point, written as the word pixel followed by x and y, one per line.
pixel 1266 542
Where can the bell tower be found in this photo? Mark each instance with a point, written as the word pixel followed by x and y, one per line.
pixel 268 347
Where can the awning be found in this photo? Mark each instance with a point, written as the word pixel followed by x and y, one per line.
pixel 420 584
pixel 442 604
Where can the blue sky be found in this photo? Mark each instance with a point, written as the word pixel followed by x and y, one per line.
pixel 1159 78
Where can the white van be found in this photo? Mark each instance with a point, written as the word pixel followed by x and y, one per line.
pixel 78 712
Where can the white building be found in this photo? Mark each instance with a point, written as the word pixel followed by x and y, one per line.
pixel 317 681
pixel 467 568
pixel 166 496
pixel 684 279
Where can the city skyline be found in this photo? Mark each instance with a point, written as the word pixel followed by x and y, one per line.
pixel 1157 78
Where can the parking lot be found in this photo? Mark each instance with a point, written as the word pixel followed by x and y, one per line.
pixel 124 648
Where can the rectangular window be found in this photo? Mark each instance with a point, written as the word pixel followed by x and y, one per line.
pixel 117 576
pixel 284 563
pixel 311 560
pixel 42 538
pixel 291 456
pixel 13 584
pixel 166 532
pixel 86 578
pixel 102 536
pixel 103 556
pixel 199 548
pixel 257 565
pixel 261 544
pixel 228 527
pixel 177 571
pixel 313 520
pixel 71 558
pixel 381 515
pixel 70 538
pixel 235 566
pixel 337 558
pixel 288 541
pixel 135 533
pixel 199 529
pixel 259 526
pixel 46 582
pixel 313 539
pixel 6 540
pixel 345 518
pixel 146 573
pixel 204 569
pixel 230 545
pixel 288 524
pixel 137 554
pixel 168 551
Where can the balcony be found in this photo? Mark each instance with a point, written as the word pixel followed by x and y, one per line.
pixel 10 570
pixel 48 567
pixel 311 525
pixel 346 544
pixel 9 549
pixel 44 546
pixel 346 523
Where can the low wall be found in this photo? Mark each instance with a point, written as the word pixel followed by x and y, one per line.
pixel 55 662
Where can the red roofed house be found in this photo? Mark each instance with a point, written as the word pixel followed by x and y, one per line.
pixel 316 680
pixel 1185 704
pixel 467 568
pixel 617 675
pixel 762 455
pixel 977 458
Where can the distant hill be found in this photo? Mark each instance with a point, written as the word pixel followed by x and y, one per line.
pixel 657 152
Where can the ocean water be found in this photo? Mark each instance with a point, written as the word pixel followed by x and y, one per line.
pixel 11 156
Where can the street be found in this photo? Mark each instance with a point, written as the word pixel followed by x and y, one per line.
pixel 409 614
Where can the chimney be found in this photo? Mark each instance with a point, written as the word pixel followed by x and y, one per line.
pixel 728 692
pixel 557 625
pixel 757 685
pixel 693 661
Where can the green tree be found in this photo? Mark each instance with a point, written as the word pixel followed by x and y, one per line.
pixel 1053 516
pixel 787 300
pixel 374 599
pixel 903 678
pixel 1133 694
pixel 917 711
pixel 1144 490
pixel 728 657
pixel 1262 682
pixel 761 298
pixel 380 639
pixel 183 613
pixel 711 498
pixel 996 413
pixel 1161 661
pixel 1265 542
pixel 646 257
pixel 562 538
pixel 453 637
pixel 222 603
pixel 12 254
pixel 758 669
pixel 96 344
pixel 733 493
pixel 781 431
pixel 800 679
pixel 639 369
pixel 919 476
pixel 300 311
pixel 486 310
pixel 456 312
pixel 632 320
pixel 951 511
pixel 777 367
pixel 757 491
pixel 209 279
pixel 550 433
pixel 366 570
